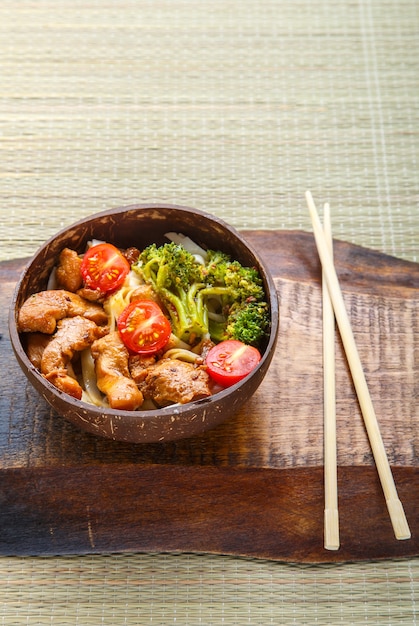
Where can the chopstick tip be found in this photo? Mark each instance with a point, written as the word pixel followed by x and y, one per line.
pixel 331 529
pixel 398 518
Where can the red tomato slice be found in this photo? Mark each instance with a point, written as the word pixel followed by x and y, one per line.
pixel 230 361
pixel 143 327
pixel 104 268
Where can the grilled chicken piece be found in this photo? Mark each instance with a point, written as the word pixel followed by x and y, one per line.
pixel 144 292
pixel 175 381
pixel 68 272
pixel 35 346
pixel 66 383
pixel 138 366
pixel 92 295
pixel 74 334
pixel 42 310
pixel 112 373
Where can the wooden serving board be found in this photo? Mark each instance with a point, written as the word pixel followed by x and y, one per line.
pixel 254 485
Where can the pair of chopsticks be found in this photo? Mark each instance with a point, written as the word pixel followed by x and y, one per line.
pixel 334 308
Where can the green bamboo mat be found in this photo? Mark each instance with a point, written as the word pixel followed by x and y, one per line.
pixel 192 590
pixel 235 108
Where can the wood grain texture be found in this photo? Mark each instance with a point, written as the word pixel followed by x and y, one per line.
pixel 254 485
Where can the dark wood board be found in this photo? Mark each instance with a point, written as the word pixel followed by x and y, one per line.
pixel 254 485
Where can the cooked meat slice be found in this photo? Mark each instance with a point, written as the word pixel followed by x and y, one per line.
pixel 131 255
pixel 144 292
pixel 64 382
pixel 42 310
pixel 138 366
pixel 204 347
pixel 74 334
pixel 112 373
pixel 68 272
pixel 173 381
pixel 92 295
pixel 36 344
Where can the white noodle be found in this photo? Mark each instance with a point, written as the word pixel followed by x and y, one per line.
pixel 52 280
pixel 89 379
pixel 182 355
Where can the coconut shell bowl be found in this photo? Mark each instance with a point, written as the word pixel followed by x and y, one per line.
pixel 139 226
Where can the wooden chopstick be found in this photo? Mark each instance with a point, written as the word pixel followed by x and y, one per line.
pixel 331 514
pixel 394 505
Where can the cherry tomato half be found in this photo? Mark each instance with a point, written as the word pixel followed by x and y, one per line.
pixel 143 327
pixel 230 361
pixel 104 268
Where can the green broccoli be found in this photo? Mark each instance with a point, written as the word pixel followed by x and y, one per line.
pixel 235 298
pixel 176 278
pixel 248 322
pixel 220 299
pixel 216 263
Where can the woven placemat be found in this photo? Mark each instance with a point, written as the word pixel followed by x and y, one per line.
pixel 235 108
pixel 191 590
pixel 232 107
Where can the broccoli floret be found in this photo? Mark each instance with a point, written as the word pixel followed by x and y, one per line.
pixel 248 322
pixel 216 264
pixel 241 282
pixel 245 281
pixel 175 276
pixel 235 299
pixel 170 266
